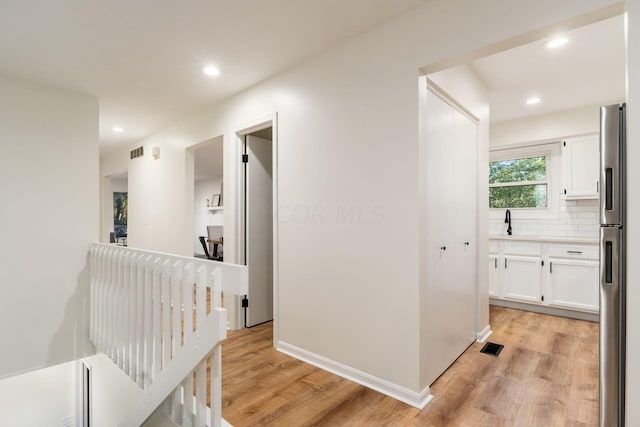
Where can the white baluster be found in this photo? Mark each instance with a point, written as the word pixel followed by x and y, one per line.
pixel 176 335
pixel 111 304
pixel 187 302
pixel 201 371
pixel 215 360
pixel 147 332
pixel 166 312
pixel 157 318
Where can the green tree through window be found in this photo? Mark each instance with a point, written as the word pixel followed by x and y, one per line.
pixel 518 183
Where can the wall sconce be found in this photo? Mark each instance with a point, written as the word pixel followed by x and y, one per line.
pixel 155 151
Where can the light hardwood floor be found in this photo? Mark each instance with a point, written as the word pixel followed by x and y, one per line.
pixel 546 375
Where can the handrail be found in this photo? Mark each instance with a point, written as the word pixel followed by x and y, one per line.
pixel 159 318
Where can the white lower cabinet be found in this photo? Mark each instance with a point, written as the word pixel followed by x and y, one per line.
pixel 552 274
pixel 573 284
pixel 523 278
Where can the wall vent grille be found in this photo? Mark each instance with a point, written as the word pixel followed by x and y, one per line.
pixel 137 152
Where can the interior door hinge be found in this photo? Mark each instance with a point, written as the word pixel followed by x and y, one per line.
pixel 245 302
pixel 245 158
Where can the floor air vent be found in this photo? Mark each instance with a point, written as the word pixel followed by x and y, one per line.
pixel 492 348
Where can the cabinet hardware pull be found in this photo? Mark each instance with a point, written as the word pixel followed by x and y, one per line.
pixel 574 252
pixel 466 243
pixel 443 248
pixel 505 263
pixel 496 260
pixel 550 267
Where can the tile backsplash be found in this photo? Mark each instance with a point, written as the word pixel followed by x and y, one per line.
pixel 578 218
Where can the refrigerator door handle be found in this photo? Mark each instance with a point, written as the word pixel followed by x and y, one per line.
pixel 610 162
pixel 610 327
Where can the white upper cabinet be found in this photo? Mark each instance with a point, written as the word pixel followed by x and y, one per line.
pixel 580 166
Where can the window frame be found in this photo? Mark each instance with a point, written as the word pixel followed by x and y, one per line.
pixel 549 150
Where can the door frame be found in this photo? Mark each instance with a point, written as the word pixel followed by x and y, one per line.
pixel 246 129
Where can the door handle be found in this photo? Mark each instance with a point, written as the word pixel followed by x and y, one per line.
pixel 608 262
pixel 608 191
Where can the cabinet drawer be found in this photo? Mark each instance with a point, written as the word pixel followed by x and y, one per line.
pixel 574 252
pixel 523 248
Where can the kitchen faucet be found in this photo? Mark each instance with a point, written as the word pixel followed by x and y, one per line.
pixel 507 220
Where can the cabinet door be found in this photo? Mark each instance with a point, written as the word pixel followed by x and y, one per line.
pixel 523 278
pixel 494 272
pixel 580 163
pixel 574 284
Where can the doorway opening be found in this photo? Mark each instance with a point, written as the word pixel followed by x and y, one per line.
pixel 208 200
pixel 115 208
pixel 257 223
pixel 543 99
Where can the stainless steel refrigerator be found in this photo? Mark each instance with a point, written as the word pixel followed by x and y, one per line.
pixel 612 265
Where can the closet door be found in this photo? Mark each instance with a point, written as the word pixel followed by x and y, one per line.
pixel 451 224
pixel 464 204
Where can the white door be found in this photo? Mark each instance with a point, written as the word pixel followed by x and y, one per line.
pixel 463 199
pixel 574 284
pixel 451 225
pixel 259 230
pixel 523 278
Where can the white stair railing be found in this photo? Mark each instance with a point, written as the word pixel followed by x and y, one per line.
pixel 159 317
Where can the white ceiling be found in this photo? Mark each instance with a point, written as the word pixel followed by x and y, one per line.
pixel 143 58
pixel 588 70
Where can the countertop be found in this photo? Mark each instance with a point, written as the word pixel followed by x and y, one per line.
pixel 578 240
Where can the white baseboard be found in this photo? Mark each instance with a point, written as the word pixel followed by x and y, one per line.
pixel 543 309
pixel 484 334
pixel 410 397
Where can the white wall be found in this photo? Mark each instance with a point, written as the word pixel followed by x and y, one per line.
pixel 38 398
pixel 633 213
pixel 119 185
pixel 204 189
pixel 546 127
pixel 49 187
pixel 576 218
pixel 347 137
pixel 464 86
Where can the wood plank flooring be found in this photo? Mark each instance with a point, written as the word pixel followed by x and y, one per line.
pixel 546 375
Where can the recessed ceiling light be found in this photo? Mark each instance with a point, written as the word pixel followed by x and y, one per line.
pixel 118 129
pixel 533 100
pixel 211 70
pixel 557 42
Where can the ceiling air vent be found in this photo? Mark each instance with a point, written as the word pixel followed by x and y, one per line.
pixel 137 152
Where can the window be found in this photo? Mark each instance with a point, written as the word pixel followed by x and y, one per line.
pixel 525 179
pixel 120 208
pixel 518 183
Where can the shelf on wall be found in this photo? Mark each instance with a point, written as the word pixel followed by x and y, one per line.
pixel 215 208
